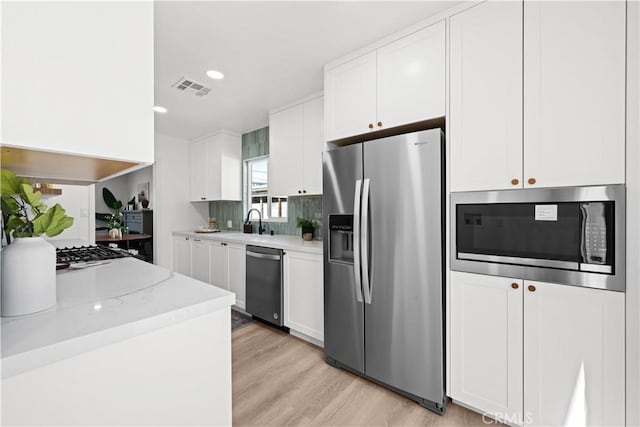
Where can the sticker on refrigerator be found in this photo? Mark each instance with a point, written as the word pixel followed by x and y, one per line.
pixel 546 212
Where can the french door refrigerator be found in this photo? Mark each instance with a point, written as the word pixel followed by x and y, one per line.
pixel 383 263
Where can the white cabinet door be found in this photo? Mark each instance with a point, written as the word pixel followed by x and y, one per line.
pixel 574 93
pixel 285 151
pixel 304 293
pixel 237 272
pixel 350 97
pixel 574 355
pixel 486 97
pixel 219 265
pixel 411 78
pixel 90 71
pixel 313 127
pixel 486 343
pixel 182 255
pixel 198 171
pixel 200 260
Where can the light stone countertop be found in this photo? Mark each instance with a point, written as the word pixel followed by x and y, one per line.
pixel 101 305
pixel 278 241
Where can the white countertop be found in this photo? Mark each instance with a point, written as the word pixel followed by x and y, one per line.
pixel 102 305
pixel 278 241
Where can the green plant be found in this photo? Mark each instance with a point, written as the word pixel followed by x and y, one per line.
pixel 113 220
pixel 110 200
pixel 23 213
pixel 304 223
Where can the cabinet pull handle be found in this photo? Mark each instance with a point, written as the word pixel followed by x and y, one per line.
pixel 532 288
pixel 299 192
pixel 531 181
pixel 380 124
pixel 203 198
pixel 304 191
pixel 370 125
pixel 515 181
pixel 514 285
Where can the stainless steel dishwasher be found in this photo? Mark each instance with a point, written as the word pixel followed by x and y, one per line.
pixel 264 283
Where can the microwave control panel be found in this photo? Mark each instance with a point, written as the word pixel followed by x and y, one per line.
pixel 597 236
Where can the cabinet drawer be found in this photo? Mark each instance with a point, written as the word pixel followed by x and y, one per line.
pixel 133 217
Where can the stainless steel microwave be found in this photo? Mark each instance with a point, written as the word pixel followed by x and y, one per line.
pixel 572 235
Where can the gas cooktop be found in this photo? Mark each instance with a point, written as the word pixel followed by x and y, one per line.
pixel 76 254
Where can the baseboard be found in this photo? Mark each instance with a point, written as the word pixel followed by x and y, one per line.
pixel 307 338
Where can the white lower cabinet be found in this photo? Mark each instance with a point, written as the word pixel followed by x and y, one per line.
pixel 486 343
pixel 237 272
pixel 304 293
pixel 182 255
pixel 574 360
pixel 220 264
pixel 200 260
pixel 537 353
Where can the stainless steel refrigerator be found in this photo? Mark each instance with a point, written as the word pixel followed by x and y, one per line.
pixel 383 262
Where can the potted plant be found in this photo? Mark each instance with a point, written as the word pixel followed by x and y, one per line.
pixel 28 261
pixel 307 228
pixel 115 221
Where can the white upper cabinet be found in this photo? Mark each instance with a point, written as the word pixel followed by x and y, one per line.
pixel 399 83
pixel 574 364
pixel 286 133
pixel 296 142
pixel 77 77
pixel 411 78
pixel 574 93
pixel 350 97
pixel 216 168
pixel 313 146
pixel 486 343
pixel 485 122
pixel 198 170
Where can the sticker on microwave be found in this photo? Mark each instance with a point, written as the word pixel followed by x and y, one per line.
pixel 546 212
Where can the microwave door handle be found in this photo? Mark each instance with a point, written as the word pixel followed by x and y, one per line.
pixel 364 250
pixel 356 240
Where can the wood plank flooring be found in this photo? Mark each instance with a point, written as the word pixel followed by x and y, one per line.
pixel 280 380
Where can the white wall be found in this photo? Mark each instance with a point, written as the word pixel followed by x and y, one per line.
pixel 172 209
pixel 78 202
pixel 124 188
pixel 633 213
pixel 119 186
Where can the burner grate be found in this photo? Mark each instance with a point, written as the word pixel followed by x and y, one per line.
pixel 87 253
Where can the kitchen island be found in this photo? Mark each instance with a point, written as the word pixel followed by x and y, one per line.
pixel 128 343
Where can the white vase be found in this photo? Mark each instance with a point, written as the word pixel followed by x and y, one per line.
pixel 28 276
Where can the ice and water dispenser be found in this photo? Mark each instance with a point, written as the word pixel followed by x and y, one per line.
pixel 341 239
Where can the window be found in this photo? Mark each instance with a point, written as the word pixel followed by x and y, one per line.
pixel 272 208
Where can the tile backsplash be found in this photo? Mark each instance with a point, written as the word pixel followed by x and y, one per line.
pixel 256 144
pixel 309 207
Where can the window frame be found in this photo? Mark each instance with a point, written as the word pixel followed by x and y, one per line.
pixel 246 191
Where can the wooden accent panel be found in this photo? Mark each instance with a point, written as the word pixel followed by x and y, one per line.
pixel 60 168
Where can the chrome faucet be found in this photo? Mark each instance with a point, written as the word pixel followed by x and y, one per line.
pixel 246 221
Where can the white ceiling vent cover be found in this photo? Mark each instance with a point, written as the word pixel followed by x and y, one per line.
pixel 191 87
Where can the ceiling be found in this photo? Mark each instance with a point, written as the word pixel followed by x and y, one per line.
pixel 271 53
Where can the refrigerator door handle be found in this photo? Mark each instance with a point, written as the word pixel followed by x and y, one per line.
pixel 356 239
pixel 364 240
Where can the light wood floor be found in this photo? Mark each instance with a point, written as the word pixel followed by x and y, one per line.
pixel 279 380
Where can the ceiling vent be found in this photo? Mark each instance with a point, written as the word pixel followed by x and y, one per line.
pixel 191 87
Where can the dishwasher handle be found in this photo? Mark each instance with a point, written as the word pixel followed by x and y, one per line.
pixel 263 256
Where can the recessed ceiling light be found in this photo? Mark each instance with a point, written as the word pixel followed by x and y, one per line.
pixel 159 109
pixel 216 75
